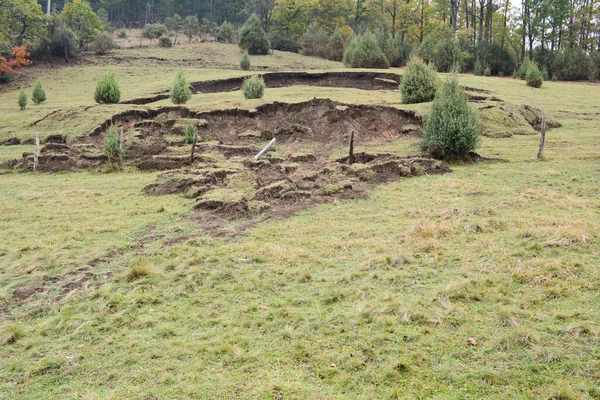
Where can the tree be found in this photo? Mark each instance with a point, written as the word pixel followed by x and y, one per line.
pixel 364 52
pixel 175 24
pixel 180 90
pixel 253 87
pixel 18 61
pixel 21 21
pixel 38 96
pixel 153 31
pixel 225 33
pixel 253 37
pixel 245 62
pixel 419 82
pixel 335 46
pixel 102 43
pixel 107 90
pixel 190 26
pixel 314 41
pixel 84 22
pixel 451 128
pixel 22 100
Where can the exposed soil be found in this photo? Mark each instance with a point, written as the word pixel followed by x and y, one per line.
pixel 303 168
pixel 357 80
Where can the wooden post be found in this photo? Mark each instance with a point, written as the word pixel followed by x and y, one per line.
pixel 542 139
pixel 36 151
pixel 266 148
pixel 194 145
pixel 351 155
pixel 121 139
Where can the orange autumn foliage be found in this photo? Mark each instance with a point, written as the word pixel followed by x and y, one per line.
pixel 18 61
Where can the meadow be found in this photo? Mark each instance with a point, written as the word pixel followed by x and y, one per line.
pixel 480 283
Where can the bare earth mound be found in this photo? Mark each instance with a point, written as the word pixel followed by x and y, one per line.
pixel 306 166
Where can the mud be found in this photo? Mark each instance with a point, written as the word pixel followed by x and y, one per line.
pixel 304 168
pixel 356 80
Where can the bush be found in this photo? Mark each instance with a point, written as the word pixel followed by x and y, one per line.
pixel 396 52
pixel 314 41
pixel 594 69
pixel 253 37
pixel 225 33
pixel 102 43
pixel 154 31
pixel 122 34
pixel 38 96
pixel 190 133
pixel 571 65
pixel 165 41
pixel 364 52
pixel 6 78
pixel 22 100
pixel 107 90
pixel 253 87
pixel 112 150
pixel 524 67
pixel 487 72
pixel 447 56
pixel 335 46
pixel 63 42
pixel 245 62
pixel 534 76
pixel 283 41
pixel 494 56
pixel 426 50
pixel 419 82
pixel 180 91
pixel 451 129
pixel 479 68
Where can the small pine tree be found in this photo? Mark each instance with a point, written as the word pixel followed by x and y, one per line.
pixel 225 33
pixel 335 46
pixel 534 76
pixel 190 132
pixel 524 67
pixel 122 34
pixel 487 72
pixel 165 41
pixel 253 87
pixel 253 37
pixel 478 68
pixel 22 100
pixel 245 62
pixel 38 96
pixel 107 90
pixel 180 91
pixel 365 53
pixel 419 82
pixel 451 129
pixel 112 149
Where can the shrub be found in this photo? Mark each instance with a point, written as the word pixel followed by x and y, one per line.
pixel 594 69
pixel 451 129
pixel 165 41
pixel 487 72
pixel 426 50
pixel 154 31
pixel 283 41
pixel 190 133
pixel 22 100
pixel 103 17
pixel 112 150
pixel 253 87
pixel 191 26
pixel 225 33
pixel 571 65
pixel 107 90
pixel 364 52
pixel 253 37
pixel 396 52
pixel 102 43
pixel 245 62
pixel 494 56
pixel 122 34
pixel 180 91
pixel 6 78
pixel 63 42
pixel 479 68
pixel 447 56
pixel 524 67
pixel 335 46
pixel 314 41
pixel 38 96
pixel 419 82
pixel 534 76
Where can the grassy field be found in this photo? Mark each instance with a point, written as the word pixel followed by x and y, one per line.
pixel 106 293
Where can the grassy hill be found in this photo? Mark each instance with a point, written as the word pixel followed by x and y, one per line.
pixel 481 283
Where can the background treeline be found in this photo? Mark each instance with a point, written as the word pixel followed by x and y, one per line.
pixel 484 36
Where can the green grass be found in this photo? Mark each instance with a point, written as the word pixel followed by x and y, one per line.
pixel 372 298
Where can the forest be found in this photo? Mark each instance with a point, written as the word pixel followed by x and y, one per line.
pixel 562 36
